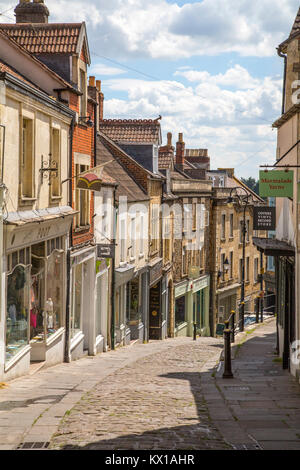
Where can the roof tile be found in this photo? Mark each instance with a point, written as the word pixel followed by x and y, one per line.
pixel 132 130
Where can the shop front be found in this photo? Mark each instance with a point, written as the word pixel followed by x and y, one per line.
pixel 102 299
pixel 227 301
pixel 123 276
pixel 157 304
pixel 137 304
pixel 82 318
pixel 192 306
pixel 35 294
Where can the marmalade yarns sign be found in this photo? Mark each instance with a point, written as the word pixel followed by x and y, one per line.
pixel 276 183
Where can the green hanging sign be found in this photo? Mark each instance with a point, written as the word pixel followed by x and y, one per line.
pixel 276 183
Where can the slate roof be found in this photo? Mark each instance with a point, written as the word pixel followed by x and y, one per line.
pixel 143 131
pixel 46 38
pixel 118 174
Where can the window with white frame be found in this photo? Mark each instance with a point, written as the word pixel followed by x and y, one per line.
pixel 56 157
pixel 82 200
pixel 132 237
pixel 142 233
pixel 154 227
pixel 27 158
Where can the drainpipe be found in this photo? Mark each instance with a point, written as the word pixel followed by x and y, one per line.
pixel 284 56
pixel 68 300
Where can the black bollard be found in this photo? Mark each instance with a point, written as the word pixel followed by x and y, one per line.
pixel 232 326
pixel 227 355
pixel 195 331
pixel 257 309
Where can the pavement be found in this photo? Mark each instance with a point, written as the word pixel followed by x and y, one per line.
pixel 160 395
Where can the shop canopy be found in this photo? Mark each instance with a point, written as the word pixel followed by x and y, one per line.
pixel 274 247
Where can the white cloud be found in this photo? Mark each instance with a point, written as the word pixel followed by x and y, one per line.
pixel 235 125
pixel 102 69
pixel 158 29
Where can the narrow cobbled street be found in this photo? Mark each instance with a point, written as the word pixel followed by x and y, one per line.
pixel 155 403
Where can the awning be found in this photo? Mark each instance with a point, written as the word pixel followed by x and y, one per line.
pixel 92 179
pixel 124 274
pixel 89 181
pixel 273 247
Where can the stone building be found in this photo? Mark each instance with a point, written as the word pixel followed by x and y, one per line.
pixel 285 247
pixel 189 201
pixel 35 127
pixel 226 248
pixel 64 49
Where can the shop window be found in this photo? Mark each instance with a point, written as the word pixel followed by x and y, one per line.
pixel 55 155
pixel 54 299
pixel 134 307
pixel 27 159
pixel 17 305
pixel 180 305
pixel 102 303
pixel 77 300
pixel 82 199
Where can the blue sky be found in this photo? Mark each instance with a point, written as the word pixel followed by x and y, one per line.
pixel 209 68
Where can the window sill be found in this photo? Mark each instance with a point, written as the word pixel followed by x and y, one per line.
pixel 27 201
pixel 84 228
pixel 55 198
pixel 17 358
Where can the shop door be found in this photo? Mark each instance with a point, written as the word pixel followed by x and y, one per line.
pixel 155 314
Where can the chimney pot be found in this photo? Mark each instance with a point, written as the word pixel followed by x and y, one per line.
pixel 92 81
pixel 98 85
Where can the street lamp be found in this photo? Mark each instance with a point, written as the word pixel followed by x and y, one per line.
pixel 241 196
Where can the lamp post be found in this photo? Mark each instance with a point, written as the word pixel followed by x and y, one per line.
pixel 241 196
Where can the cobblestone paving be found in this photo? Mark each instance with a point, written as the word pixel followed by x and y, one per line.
pixel 154 403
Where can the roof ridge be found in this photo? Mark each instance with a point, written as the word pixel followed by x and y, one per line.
pixel 130 121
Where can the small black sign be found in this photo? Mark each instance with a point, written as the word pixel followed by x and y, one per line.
pixel 264 218
pixel 220 329
pixel 105 251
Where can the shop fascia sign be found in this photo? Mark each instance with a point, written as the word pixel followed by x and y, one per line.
pixel 276 183
pixel 201 284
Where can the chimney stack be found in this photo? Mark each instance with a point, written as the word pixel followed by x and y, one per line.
pixel 31 12
pixel 180 152
pixel 101 100
pixel 169 135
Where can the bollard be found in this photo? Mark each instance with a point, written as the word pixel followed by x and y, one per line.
pixel 227 355
pixel 242 316
pixel 257 309
pixel 232 326
pixel 195 331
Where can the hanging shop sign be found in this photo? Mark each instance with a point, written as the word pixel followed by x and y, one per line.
pixel 264 218
pixel 105 251
pixel 276 183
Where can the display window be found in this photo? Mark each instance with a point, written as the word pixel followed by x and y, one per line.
pixel 133 301
pixel 17 304
pixel 34 300
pixel 180 311
pixel 77 300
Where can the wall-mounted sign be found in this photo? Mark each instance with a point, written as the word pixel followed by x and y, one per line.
pixel 194 272
pixel 264 218
pixel 105 251
pixel 276 183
